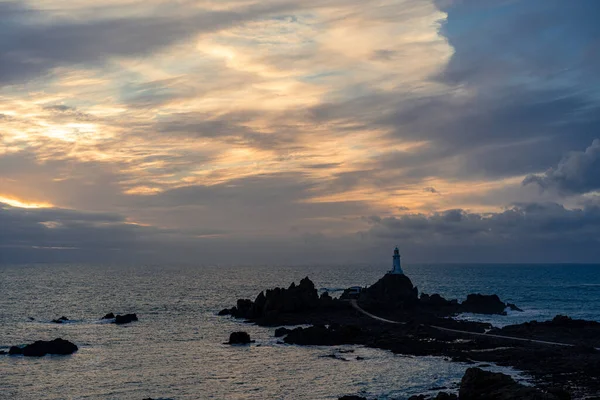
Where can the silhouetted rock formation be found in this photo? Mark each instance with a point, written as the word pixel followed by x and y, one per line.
pixel 108 316
pixel 560 329
pixel 483 304
pixel 270 305
pixel 440 396
pixel 40 348
pixel 325 336
pixel 279 332
pixel 390 292
pixel 477 384
pixel 60 320
pixel 125 319
pixel 352 397
pixel 239 338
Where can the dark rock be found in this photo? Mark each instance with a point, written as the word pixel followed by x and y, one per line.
pixel 483 304
pixel 125 319
pixel 417 397
pixel 60 320
pixel 239 338
pixel 513 307
pixel 585 334
pixel 279 332
pixel 31 318
pixel 352 397
pixel 109 316
pixel 478 384
pixel 390 292
pixel 445 396
pixel 225 311
pixel 40 348
pixel 270 304
pixel 325 336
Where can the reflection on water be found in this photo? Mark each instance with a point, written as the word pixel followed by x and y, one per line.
pixel 176 351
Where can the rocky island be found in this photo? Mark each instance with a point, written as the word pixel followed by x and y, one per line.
pixel 560 355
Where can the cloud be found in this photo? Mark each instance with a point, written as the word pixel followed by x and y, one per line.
pixel 430 189
pixel 36 42
pixel 534 232
pixel 577 173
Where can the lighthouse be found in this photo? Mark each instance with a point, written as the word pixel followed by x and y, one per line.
pixel 397 269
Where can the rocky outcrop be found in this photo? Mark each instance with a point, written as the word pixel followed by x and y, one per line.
pixel 332 335
pixel 60 320
pixel 269 305
pixel 125 319
pixel 390 292
pixel 483 304
pixel 279 332
pixel 560 329
pixel 352 397
pixel 440 396
pixel 478 384
pixel 40 348
pixel 240 338
pixel 108 316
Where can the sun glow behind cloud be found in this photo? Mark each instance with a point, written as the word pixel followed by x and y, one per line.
pixel 13 202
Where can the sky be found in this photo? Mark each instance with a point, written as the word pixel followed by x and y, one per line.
pixel 299 131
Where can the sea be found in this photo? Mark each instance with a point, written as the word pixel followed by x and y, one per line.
pixel 176 350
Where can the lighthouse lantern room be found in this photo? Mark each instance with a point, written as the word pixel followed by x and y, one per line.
pixel 397 269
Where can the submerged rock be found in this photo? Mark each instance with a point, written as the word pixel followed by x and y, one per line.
pixel 352 397
pixel 125 319
pixel 478 384
pixel 108 316
pixel 40 348
pixel 240 338
pixel 60 320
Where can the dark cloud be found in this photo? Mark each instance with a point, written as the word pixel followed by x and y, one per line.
pixel 430 189
pixel 525 232
pixel 577 173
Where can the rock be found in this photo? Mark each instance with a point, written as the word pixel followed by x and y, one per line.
pixel 40 348
pixel 445 396
pixel 513 307
pixel 268 305
pixel 125 319
pixel 478 384
pixel 563 329
pixel 352 397
pixel 109 316
pixel 325 336
pixel 225 311
pixel 390 292
pixel 60 320
pixel 483 304
pixel 239 338
pixel 2 352
pixel 417 397
pixel 279 332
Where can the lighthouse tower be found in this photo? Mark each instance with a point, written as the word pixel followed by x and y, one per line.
pixel 397 270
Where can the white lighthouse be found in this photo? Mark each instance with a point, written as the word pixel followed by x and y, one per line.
pixel 397 269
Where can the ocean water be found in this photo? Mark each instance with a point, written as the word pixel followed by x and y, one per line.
pixel 176 349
